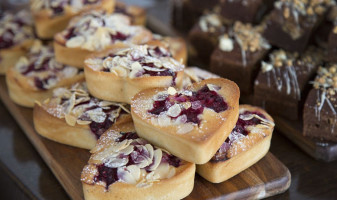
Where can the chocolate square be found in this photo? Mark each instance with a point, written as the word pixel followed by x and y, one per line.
pixel 248 11
pixel 291 24
pixel 320 108
pixel 282 83
pixel 204 36
pixel 239 61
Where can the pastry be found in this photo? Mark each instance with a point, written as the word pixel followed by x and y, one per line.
pixel 282 83
pixel 320 110
pixel 35 76
pixel 96 31
pixel 16 36
pixel 125 166
pixel 291 24
pixel 191 123
pixel 118 75
pixel 248 142
pixel 53 16
pixel 204 36
pixel 248 11
pixel 136 13
pixel 195 74
pixel 238 55
pixel 73 117
pixel 175 45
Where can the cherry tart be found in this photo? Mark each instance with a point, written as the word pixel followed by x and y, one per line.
pixel 191 123
pixel 34 77
pixel 96 31
pixel 119 74
pixel 16 36
pixel 136 13
pixel 124 166
pixel 73 117
pixel 176 45
pixel 195 74
pixel 53 16
pixel 248 142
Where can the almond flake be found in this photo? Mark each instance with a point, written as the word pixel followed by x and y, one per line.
pixel 156 159
pixel 71 120
pixel 75 42
pixel 171 91
pixel 174 110
pixel 164 120
pixel 185 128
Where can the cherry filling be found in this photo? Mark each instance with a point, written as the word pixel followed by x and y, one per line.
pixel 6 39
pixel 99 128
pixel 41 83
pixel 239 130
pixel 199 100
pixel 106 174
pixel 109 175
pixel 119 36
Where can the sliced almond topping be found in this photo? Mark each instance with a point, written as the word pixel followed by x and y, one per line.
pixel 164 120
pixel 156 159
pixel 71 120
pixel 75 42
pixel 185 128
pixel 174 110
pixel 80 122
pixel 171 91
pixel 116 162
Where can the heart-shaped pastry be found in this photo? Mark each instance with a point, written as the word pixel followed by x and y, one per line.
pixel 119 74
pixel 74 117
pixel 191 123
pixel 34 76
pixel 125 166
pixel 248 142
pixel 96 31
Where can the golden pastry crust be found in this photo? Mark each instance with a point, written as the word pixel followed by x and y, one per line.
pixel 176 45
pixel 241 155
pixel 18 34
pixel 113 87
pixel 8 57
pixel 34 76
pixel 47 26
pixel 198 144
pixel 136 13
pixel 68 115
pixel 176 187
pixel 22 93
pixel 76 55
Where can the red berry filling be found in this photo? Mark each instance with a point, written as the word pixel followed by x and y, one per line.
pixel 199 100
pixel 109 175
pixel 239 130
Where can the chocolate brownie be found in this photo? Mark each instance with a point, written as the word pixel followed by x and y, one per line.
pixel 282 83
pixel 291 23
pixel 320 109
pixel 204 36
pixel 238 54
pixel 249 11
pixel 185 13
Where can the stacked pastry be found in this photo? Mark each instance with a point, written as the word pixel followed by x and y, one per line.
pixel 115 88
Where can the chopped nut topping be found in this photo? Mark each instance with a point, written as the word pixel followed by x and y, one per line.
pixel 210 22
pixel 249 38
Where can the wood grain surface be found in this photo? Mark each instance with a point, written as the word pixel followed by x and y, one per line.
pixel 320 150
pixel 266 178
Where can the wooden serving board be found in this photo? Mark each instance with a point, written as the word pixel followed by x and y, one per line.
pixel 266 178
pixel 320 150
